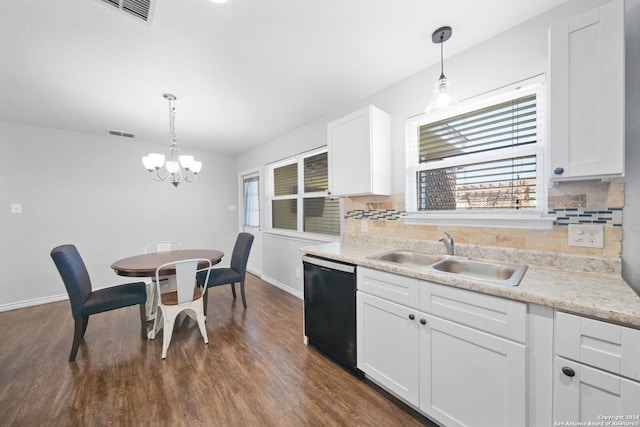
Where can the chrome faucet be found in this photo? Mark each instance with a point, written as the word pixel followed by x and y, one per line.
pixel 448 243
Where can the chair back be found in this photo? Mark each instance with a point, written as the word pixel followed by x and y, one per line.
pixel 163 246
pixel 240 255
pixel 185 277
pixel 74 275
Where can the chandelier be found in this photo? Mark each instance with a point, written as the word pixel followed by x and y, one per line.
pixel 179 168
pixel 441 98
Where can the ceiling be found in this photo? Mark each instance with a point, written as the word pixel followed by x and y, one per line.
pixel 244 72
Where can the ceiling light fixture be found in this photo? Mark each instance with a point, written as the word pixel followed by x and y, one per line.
pixel 442 99
pixel 179 168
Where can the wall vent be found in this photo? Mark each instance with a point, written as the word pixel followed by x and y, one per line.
pixel 138 8
pixel 122 134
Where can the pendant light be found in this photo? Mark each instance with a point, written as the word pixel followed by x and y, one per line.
pixel 441 97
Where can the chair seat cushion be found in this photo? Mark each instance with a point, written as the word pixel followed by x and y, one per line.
pixel 220 276
pixel 171 298
pixel 115 297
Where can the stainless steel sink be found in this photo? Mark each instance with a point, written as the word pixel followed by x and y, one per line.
pixel 408 258
pixel 495 272
pixel 487 271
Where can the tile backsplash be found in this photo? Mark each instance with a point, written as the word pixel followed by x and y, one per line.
pixel 585 202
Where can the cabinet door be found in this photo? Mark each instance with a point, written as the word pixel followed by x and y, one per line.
pixel 360 153
pixel 388 345
pixel 586 87
pixel 471 378
pixel 588 394
pixel 603 345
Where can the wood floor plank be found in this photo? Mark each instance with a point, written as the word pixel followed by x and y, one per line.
pixel 255 371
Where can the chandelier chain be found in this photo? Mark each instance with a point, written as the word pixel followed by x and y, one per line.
pixel 172 123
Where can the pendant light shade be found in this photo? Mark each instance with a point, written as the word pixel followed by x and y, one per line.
pixel 441 96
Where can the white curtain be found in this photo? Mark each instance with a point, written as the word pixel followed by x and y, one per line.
pixel 251 202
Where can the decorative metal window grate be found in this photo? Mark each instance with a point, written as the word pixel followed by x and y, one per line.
pixel 504 179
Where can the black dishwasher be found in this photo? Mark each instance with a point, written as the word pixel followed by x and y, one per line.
pixel 330 309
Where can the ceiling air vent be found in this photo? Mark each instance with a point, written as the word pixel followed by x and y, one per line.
pixel 122 134
pixel 138 8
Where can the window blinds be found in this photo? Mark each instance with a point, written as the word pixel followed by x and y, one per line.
pixel 504 183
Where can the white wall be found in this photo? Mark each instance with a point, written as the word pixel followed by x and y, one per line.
pixel 93 191
pixel 517 54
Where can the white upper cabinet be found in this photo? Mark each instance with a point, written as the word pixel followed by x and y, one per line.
pixel 360 153
pixel 586 94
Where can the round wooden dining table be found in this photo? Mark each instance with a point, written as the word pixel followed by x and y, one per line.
pixel 145 265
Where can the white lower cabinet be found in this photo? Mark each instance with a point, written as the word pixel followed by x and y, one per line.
pixel 451 371
pixel 388 345
pixel 596 372
pixel 471 378
pixel 586 394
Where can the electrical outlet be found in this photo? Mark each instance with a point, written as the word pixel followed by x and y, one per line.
pixel 297 273
pixel 586 235
pixel 364 225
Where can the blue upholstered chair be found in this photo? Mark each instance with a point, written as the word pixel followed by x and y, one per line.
pixel 234 274
pixel 85 302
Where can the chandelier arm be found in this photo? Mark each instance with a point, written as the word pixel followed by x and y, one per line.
pixel 157 176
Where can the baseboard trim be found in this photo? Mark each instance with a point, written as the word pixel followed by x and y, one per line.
pixel 33 302
pixel 282 286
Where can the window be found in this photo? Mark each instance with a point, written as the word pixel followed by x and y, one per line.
pixel 299 195
pixel 251 201
pixel 484 156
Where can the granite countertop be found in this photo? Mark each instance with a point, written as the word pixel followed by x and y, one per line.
pixel 607 297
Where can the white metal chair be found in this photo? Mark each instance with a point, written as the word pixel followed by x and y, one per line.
pixel 155 247
pixel 163 246
pixel 187 297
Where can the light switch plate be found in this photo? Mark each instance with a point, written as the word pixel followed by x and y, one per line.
pixel 16 208
pixel 586 235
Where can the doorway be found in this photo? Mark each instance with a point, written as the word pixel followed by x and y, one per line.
pixel 251 218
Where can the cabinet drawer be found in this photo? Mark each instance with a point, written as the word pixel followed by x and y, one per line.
pixel 606 346
pixel 400 289
pixel 497 316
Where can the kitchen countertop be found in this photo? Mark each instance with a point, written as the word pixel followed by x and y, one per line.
pixel 604 297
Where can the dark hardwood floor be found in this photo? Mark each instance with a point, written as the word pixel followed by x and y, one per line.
pixel 255 371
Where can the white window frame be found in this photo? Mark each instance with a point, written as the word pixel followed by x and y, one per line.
pixel 299 197
pixel 503 218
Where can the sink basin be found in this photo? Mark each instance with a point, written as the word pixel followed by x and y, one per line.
pixel 408 258
pixel 487 271
pixel 495 272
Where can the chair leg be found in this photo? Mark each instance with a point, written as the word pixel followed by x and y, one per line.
pixel 78 332
pixel 85 322
pixel 233 290
pixel 143 321
pixel 205 299
pixel 169 320
pixel 203 329
pixel 244 300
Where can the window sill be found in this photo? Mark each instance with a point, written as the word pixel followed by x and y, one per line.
pixel 529 220
pixel 301 236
